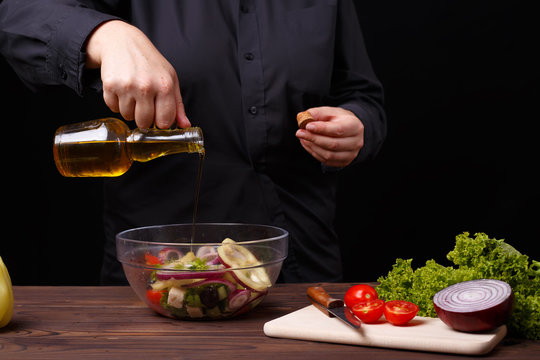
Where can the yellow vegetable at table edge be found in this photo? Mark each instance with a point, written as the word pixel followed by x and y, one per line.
pixel 6 295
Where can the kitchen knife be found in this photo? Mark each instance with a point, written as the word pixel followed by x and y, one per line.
pixel 332 307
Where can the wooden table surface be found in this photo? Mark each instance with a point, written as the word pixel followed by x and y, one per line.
pixel 58 322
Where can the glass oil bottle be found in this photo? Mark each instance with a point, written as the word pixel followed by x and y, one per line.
pixel 107 147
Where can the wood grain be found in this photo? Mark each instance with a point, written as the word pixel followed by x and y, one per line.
pixel 112 323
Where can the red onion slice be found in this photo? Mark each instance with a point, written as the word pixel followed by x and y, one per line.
pixel 187 274
pixel 239 298
pixel 208 253
pixel 246 268
pixel 167 255
pixel 230 286
pixel 475 305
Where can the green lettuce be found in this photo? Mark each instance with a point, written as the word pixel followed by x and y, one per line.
pixel 479 257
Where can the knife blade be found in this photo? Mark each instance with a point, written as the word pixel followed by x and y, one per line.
pixel 332 307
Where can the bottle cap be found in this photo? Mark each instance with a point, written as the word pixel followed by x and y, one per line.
pixel 303 118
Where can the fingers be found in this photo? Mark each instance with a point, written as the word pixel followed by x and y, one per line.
pixel 334 138
pixel 147 104
pixel 329 158
pixel 138 82
pixel 331 142
pixel 131 104
pixel 181 118
pixel 165 107
pixel 332 157
pixel 111 100
pixel 333 121
pixel 144 112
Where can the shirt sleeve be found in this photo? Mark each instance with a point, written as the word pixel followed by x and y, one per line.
pixel 43 40
pixel 355 86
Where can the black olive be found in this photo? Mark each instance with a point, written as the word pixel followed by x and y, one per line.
pixel 209 296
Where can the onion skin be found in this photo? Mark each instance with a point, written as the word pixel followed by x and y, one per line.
pixel 478 320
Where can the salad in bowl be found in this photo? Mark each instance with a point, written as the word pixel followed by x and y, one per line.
pixel 183 272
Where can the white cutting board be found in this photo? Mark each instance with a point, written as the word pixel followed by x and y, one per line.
pixel 422 334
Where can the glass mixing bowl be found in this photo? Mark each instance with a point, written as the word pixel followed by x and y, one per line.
pixel 202 271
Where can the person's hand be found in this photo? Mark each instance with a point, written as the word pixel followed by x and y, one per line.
pixel 334 137
pixel 138 82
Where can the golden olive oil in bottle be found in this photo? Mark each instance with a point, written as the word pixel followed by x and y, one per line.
pixel 107 147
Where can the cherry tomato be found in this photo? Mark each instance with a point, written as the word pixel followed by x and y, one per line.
pixel 369 311
pixel 154 296
pixel 400 312
pixel 359 293
pixel 151 259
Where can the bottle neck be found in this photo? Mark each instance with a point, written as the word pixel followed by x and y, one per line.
pixel 148 144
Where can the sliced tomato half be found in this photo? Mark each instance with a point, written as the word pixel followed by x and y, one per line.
pixel 369 311
pixel 400 312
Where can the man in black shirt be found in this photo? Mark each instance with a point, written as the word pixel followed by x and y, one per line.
pixel 239 69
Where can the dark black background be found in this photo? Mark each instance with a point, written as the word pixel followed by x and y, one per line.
pixel 462 91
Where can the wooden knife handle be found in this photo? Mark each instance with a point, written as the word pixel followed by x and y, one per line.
pixel 320 295
pixel 324 310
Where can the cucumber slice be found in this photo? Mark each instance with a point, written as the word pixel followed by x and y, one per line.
pixel 222 292
pixel 236 256
pixel 164 284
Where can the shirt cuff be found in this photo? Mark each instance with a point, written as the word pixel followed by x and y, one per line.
pixel 374 122
pixel 66 54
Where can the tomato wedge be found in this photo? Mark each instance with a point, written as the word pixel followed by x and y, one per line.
pixel 154 296
pixel 369 311
pixel 400 312
pixel 151 259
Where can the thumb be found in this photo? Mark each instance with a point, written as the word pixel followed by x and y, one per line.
pixel 313 114
pixel 322 113
pixel 181 117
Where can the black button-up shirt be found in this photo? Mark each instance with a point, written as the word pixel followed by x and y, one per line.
pixel 245 67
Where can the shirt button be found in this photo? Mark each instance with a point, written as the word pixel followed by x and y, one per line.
pixel 63 73
pixel 244 9
pixel 253 110
pixel 248 56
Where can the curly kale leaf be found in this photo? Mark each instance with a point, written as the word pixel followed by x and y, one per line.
pixel 525 319
pixel 490 258
pixel 397 285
